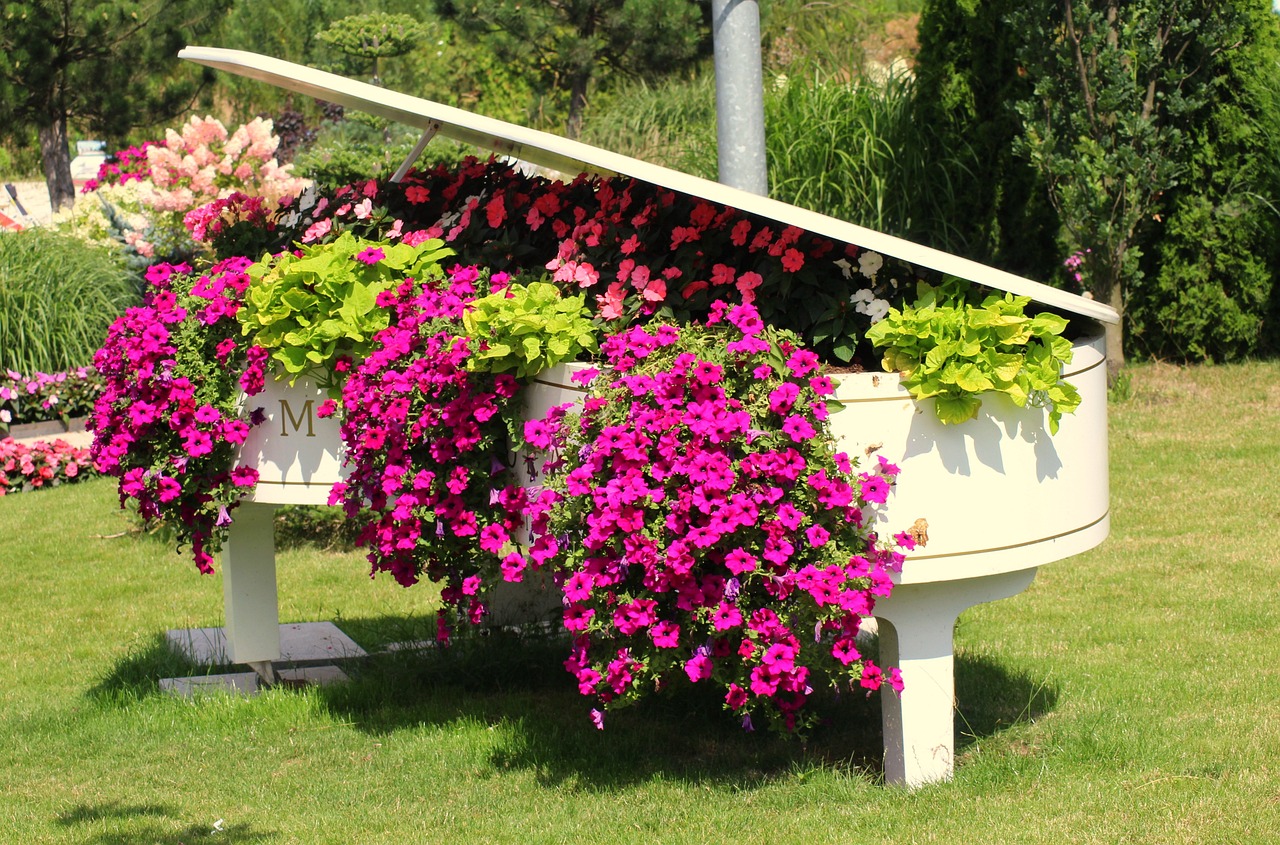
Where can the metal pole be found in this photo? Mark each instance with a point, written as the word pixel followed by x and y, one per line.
pixel 739 95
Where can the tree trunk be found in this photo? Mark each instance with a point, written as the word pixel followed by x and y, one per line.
pixel 1115 334
pixel 55 156
pixel 577 104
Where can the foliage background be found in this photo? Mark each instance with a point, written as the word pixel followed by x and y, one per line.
pixel 927 155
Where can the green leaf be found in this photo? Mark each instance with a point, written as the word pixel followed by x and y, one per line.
pixel 953 409
pixel 971 379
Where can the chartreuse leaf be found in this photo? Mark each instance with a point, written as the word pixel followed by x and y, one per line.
pixel 310 309
pixel 951 347
pixel 525 329
pixel 957 408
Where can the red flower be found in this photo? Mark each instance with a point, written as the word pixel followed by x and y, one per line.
pixel 792 260
pixel 495 212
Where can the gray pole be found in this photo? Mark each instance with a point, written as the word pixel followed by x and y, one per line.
pixel 735 26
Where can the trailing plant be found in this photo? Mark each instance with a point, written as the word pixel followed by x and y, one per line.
pixel 426 444
pixel 170 419
pixel 703 527
pixel 951 350
pixel 316 309
pixel 525 329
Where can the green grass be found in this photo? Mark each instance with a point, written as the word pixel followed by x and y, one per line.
pixel 1128 696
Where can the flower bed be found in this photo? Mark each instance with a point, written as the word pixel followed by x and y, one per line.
pixel 43 404
pixel 41 464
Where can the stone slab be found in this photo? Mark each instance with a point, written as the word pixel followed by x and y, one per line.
pixel 238 683
pixel 248 683
pixel 300 642
pixel 306 676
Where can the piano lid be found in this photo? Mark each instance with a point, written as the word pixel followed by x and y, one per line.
pixel 573 157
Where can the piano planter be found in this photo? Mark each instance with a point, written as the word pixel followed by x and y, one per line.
pixel 1052 490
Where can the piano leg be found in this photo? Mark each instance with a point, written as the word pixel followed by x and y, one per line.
pixel 917 624
pixel 249 589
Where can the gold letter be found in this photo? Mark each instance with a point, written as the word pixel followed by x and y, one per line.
pixel 286 415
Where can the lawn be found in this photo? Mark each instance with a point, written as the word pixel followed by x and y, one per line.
pixel 1131 695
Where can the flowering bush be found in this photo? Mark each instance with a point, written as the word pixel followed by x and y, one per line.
pixel 635 249
pixel 426 442
pixel 121 168
pixel 168 422
pixel 176 178
pixel 702 525
pixel 47 396
pixel 105 218
pixel 41 464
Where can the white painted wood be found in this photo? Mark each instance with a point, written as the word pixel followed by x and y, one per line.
pixel 916 625
pixel 249 585
pixel 298 454
pixel 999 492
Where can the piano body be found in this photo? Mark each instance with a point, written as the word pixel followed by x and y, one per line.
pixel 1049 495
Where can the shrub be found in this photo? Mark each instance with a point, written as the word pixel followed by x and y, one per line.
pixel 1209 269
pixel 58 296
pixel 967 74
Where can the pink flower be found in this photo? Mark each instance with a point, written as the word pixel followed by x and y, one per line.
pixel 747 284
pixel 874 489
pixel 372 255
pixel 698 667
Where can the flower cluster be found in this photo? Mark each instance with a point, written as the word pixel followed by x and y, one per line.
pixel 47 396
pixel 702 525
pixel 426 443
pixel 636 249
pixel 173 179
pixel 167 424
pixel 121 168
pixel 41 464
pixel 202 163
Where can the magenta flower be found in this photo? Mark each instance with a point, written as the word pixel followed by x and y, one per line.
pixel 371 256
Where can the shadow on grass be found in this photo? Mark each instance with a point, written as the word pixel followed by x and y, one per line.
pixel 990 699
pixel 152 823
pixel 518 685
pixel 138 674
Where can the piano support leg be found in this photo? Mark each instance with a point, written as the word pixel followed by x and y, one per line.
pixel 249 589
pixel 917 624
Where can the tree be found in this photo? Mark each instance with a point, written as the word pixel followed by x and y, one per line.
pixel 107 66
pixel 1209 264
pixel 1114 80
pixel 565 43
pixel 374 37
pixel 967 80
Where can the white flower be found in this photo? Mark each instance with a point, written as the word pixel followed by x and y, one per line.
pixel 845 267
pixel 860 300
pixel 869 263
pixel 5 416
pixel 878 310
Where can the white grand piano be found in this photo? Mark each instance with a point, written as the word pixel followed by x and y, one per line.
pixel 1051 493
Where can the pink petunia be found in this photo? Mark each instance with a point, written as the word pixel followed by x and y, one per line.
pixel 371 256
